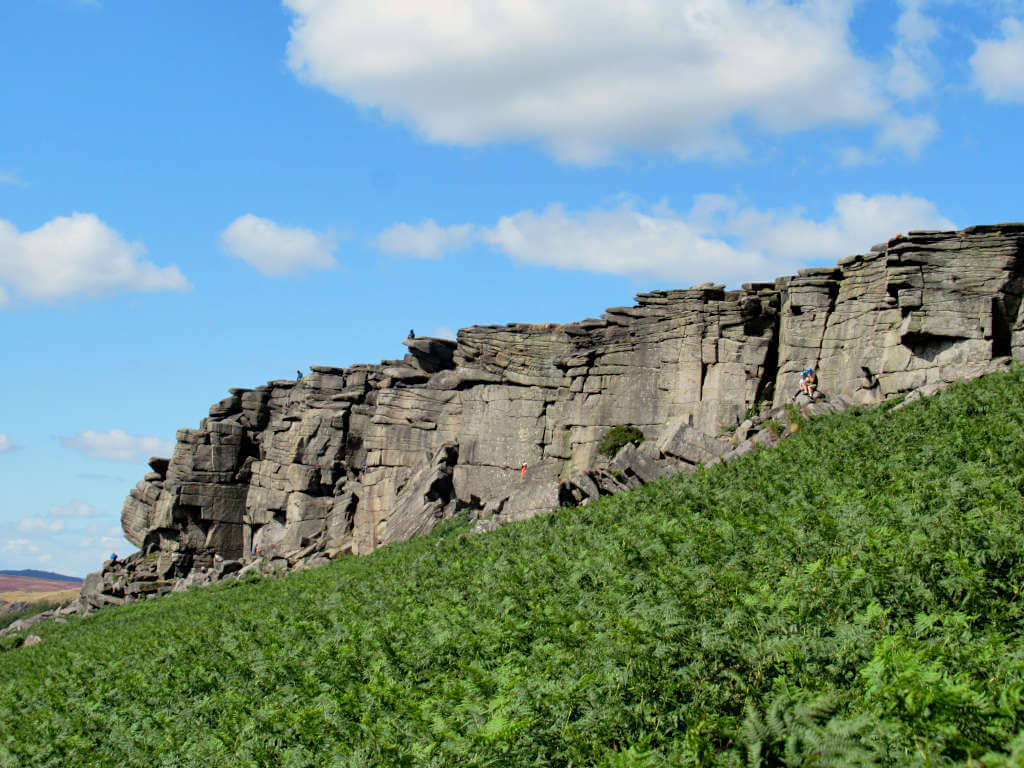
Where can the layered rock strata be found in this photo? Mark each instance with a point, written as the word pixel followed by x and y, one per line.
pixel 346 460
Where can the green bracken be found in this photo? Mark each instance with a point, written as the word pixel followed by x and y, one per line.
pixel 793 415
pixel 618 437
pixel 850 597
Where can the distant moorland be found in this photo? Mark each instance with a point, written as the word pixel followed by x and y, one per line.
pixel 26 587
pixel 49 575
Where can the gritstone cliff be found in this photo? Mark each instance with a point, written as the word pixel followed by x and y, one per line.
pixel 347 460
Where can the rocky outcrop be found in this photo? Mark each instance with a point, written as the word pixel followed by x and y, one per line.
pixel 347 460
pixel 919 309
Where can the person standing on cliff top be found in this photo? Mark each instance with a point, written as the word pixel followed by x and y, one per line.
pixel 298 375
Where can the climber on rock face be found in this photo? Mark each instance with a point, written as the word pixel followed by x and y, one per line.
pixel 522 474
pixel 808 383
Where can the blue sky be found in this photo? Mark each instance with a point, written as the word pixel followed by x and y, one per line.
pixel 196 196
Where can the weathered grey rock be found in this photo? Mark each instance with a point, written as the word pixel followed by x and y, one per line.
pixel 339 523
pixel 914 312
pixel 493 507
pixel 420 503
pixel 741 432
pixel 691 445
pixel 484 526
pixel 578 490
pixel 31 640
pixel 98 601
pixel 745 448
pixel 269 536
pixel 926 391
pixel 159 465
pixel 353 458
pixel 226 568
pixel 645 462
pixel 73 607
pixel 524 496
pixel 143 588
pixel 431 355
pixel 18 625
pixel 611 482
pixel 764 438
pixel 93 584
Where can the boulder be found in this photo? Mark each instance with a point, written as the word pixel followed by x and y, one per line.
pixel 578 490
pixel 15 607
pixel 18 625
pixel 646 463
pixel 93 584
pixel 684 442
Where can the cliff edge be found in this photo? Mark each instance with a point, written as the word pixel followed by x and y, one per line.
pixel 350 459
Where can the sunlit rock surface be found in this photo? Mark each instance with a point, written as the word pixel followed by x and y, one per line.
pixel 347 460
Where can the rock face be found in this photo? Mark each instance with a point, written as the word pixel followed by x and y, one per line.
pixel 348 460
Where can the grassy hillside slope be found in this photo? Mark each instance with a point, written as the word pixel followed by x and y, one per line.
pixel 850 597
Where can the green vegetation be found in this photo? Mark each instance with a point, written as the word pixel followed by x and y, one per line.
pixel 755 410
pixel 617 437
pixel 851 597
pixel 793 414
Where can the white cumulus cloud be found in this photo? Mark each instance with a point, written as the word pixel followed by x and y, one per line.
pixel 857 222
pixel 20 546
pixel 907 134
pixel 118 445
pixel 626 241
pixel 910 74
pixel 76 254
pixel 275 250
pixel 999 64
pixel 716 240
pixel 426 240
pixel 62 541
pixel 39 525
pixel 104 542
pixel 5 443
pixel 76 509
pixel 588 80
